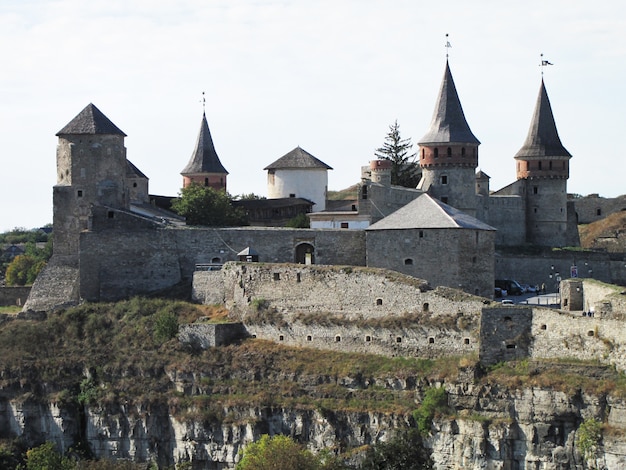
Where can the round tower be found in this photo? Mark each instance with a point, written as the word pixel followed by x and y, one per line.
pixel 381 171
pixel 448 152
pixel 204 167
pixel 542 164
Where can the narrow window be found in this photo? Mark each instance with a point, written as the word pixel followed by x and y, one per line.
pixel 368 338
pixel 444 179
pixel 398 339
pixel 364 192
pixel 544 327
pixel 281 338
pixel 598 211
pixel 425 307
pixel 550 164
pixel 466 341
pixel 110 214
pixel 134 185
pixel 297 277
pixel 79 193
pixel 421 234
pixel 474 259
pixel 449 152
pixel 462 151
pixel 535 189
pixel 277 276
pixel 539 165
pixel 431 340
pixel 337 339
pixel 206 181
pixel 344 224
pixel 423 154
pixel 436 152
pixel 379 301
pixel 309 338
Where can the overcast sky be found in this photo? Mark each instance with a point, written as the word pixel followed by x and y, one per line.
pixel 329 76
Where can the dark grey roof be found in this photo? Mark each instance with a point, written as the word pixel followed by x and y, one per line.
pixel 90 121
pixel 132 170
pixel 481 174
pixel 276 203
pixel 448 124
pixel 297 158
pixel 204 158
pixel 428 212
pixel 543 139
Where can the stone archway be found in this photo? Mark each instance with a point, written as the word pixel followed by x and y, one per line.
pixel 305 254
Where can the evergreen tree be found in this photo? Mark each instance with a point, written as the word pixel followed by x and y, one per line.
pixel 404 170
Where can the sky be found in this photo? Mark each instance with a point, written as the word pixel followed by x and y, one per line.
pixel 329 76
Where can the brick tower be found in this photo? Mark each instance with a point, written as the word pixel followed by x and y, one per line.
pixel 448 153
pixel 543 167
pixel 204 167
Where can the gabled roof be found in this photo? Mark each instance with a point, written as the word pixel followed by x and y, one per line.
pixel 204 158
pixel 543 139
pixel 297 158
pixel 133 171
pixel 448 124
pixel 482 175
pixel 428 212
pixel 90 121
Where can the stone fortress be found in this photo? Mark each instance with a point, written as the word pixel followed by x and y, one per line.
pixel 112 243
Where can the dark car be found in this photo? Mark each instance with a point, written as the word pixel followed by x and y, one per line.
pixel 510 285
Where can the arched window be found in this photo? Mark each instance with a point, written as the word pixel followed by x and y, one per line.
pixel 408 261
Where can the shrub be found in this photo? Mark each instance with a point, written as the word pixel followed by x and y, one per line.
pixel 276 453
pixel 165 326
pixel 588 437
pixel 405 451
pixel 45 457
pixel 435 401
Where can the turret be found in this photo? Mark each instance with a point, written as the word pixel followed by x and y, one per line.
pixel 543 164
pixel 448 152
pixel 204 167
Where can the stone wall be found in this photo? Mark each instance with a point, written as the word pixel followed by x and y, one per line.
pixel 16 295
pixel 458 258
pixel 507 213
pixel 209 335
pixel 592 208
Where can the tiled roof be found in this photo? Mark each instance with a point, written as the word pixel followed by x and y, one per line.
pixel 543 139
pixel 428 212
pixel 90 121
pixel 297 158
pixel 204 158
pixel 448 124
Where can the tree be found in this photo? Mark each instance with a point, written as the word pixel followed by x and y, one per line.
pixel 276 453
pixel 202 205
pixel 45 457
pixel 23 270
pixel 405 451
pixel 404 170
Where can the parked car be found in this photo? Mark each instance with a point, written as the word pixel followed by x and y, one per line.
pixel 528 289
pixel 510 285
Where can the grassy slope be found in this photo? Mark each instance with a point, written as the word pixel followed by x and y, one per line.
pixel 115 345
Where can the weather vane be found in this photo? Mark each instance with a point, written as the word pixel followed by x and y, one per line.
pixel 544 63
pixel 448 46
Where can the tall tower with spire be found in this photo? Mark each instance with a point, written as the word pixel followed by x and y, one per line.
pixel 448 152
pixel 542 166
pixel 204 167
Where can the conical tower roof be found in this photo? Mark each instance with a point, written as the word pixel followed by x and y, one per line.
pixel 448 124
pixel 90 121
pixel 297 158
pixel 543 139
pixel 204 158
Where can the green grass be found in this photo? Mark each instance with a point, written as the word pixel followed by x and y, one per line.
pixel 10 309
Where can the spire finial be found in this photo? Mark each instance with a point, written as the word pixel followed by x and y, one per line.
pixel 448 46
pixel 203 103
pixel 544 63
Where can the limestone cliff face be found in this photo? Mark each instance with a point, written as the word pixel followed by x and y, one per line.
pixel 493 428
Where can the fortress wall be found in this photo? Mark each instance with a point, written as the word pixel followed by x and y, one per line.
pixel 563 335
pixel 352 292
pixel 425 342
pixel 14 295
pixel 532 270
pixel 593 207
pixel 507 214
